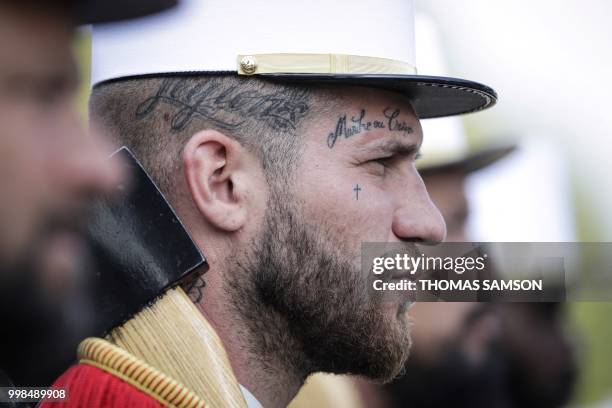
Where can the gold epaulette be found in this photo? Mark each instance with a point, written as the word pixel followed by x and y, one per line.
pixel 114 360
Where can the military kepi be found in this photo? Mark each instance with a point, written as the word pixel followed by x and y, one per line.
pixel 352 42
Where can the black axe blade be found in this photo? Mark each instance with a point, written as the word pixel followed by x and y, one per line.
pixel 140 247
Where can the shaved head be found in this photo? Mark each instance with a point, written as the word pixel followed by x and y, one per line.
pixel 155 117
pixel 262 175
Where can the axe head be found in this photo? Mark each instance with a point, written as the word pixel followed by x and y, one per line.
pixel 140 246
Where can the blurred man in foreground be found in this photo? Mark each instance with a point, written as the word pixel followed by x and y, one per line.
pixel 49 167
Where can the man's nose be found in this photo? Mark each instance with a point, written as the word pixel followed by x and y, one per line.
pixel 418 219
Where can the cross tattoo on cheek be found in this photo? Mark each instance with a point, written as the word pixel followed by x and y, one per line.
pixel 357 189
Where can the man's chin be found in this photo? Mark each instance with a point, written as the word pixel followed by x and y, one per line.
pixel 52 267
pixel 386 353
pixel 396 350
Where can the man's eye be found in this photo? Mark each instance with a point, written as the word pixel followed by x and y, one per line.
pixel 50 95
pixel 379 166
pixel 46 97
pixel 385 161
pixel 394 160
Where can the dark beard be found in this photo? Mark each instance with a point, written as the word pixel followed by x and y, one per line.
pixel 40 337
pixel 452 378
pixel 452 381
pixel 42 329
pixel 308 308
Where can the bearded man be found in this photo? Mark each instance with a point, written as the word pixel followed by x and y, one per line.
pixel 280 166
pixel 50 171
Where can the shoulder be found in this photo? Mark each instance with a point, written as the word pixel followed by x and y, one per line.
pixel 108 376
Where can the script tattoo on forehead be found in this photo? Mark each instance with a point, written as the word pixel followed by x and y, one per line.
pixel 226 106
pixel 358 124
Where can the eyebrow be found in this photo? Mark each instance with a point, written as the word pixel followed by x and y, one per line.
pixel 61 81
pixel 394 147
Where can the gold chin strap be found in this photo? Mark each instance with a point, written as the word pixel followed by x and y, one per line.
pixel 253 64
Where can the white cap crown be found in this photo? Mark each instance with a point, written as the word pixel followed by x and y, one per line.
pixel 211 35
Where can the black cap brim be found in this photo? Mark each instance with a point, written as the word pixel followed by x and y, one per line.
pixel 432 97
pixel 104 11
pixel 472 162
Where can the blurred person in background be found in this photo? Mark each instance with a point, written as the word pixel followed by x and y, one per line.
pixel 480 354
pixel 476 354
pixel 456 357
pixel 49 171
pixel 540 355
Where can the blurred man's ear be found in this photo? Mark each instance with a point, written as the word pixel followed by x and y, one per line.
pixel 217 178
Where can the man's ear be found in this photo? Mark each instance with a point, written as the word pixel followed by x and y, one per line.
pixel 211 162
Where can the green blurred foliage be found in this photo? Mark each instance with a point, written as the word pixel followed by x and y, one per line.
pixel 82 50
pixel 594 337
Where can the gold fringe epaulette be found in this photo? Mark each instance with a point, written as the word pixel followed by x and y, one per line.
pixel 114 360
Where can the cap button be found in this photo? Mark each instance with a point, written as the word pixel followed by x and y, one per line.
pixel 248 64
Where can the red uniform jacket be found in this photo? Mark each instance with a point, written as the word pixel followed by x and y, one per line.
pixel 108 376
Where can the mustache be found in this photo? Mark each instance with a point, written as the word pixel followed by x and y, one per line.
pixel 55 220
